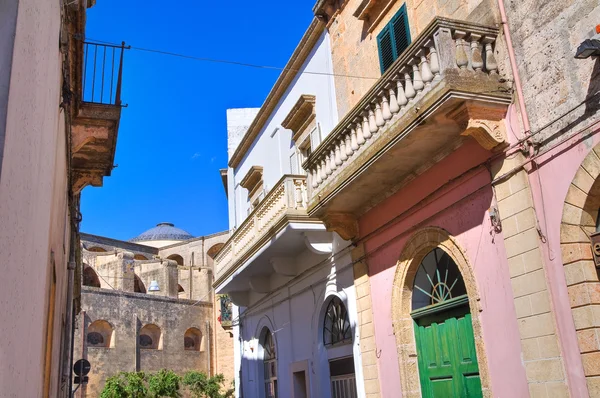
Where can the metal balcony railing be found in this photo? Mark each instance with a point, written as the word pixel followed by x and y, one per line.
pixel 102 73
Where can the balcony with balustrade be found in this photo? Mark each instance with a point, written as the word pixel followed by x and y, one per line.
pixel 444 89
pixel 95 110
pixel 266 243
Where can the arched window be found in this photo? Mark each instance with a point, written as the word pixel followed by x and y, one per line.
pixel 140 257
pixel 438 280
pixel 138 285
pixel 269 364
pixel 177 258
pixel 100 334
pixel 192 340
pixel 150 337
pixel 336 327
pixel 97 249
pixel 90 278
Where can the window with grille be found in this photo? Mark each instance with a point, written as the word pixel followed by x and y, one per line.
pixel 393 39
pixel 336 328
pixel 269 365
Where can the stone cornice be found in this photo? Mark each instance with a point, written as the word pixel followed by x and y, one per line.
pixel 300 116
pixel 306 45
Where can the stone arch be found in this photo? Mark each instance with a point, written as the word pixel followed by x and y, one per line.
pixel 97 249
pixel 140 257
pixel 100 334
pixel 177 258
pixel 138 285
pixel 150 337
pixel 579 218
pixel 192 340
pixel 415 249
pixel 90 277
pixel 212 253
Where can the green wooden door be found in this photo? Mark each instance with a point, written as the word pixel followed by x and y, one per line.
pixel 446 353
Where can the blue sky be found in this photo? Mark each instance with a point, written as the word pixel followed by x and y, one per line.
pixel 172 136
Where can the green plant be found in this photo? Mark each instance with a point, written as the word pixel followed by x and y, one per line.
pixel 125 385
pixel 164 383
pixel 202 386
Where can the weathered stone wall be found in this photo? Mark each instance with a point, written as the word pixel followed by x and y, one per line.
pixel 546 36
pixel 128 313
pixel 223 357
pixel 354 41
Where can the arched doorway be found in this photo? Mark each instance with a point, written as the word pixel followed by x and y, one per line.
pixel 269 372
pixel 435 309
pixel 446 352
pixel 90 278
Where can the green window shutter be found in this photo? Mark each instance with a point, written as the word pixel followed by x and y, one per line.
pixel 393 39
pixel 401 31
pixel 386 48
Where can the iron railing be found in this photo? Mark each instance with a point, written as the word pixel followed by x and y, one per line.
pixel 102 73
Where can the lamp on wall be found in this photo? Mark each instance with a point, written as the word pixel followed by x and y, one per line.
pixel 589 47
pixel 153 287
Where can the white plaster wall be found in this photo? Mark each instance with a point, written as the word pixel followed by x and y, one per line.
pixel 33 204
pixel 294 314
pixel 273 146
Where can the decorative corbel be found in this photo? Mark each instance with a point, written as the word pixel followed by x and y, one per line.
pixel 484 123
pixel 81 179
pixel 344 224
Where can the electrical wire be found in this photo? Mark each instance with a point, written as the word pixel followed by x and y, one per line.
pixel 230 62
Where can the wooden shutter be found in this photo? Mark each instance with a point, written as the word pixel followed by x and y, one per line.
pixel 294 163
pixel 399 26
pixel 393 39
pixel 315 138
pixel 386 48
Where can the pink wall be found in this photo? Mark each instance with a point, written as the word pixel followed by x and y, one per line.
pixel 33 203
pixel 462 210
pixel 556 171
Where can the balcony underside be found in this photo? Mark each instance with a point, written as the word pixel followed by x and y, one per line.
pixel 274 254
pixel 458 108
pixel 93 143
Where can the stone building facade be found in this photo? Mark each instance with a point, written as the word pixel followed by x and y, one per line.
pixel 55 139
pixel 148 304
pixel 461 179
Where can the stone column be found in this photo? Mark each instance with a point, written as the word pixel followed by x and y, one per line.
pixel 365 323
pixel 539 340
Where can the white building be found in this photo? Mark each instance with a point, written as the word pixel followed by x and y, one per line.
pixel 295 325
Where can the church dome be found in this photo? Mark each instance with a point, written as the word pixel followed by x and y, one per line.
pixel 164 231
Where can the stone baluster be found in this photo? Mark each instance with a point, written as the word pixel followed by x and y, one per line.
pixel 349 145
pixel 372 123
pixel 409 90
pixel 490 60
pixel 394 107
pixel 417 79
pixel 402 100
pixel 462 59
pixel 424 67
pixel 476 57
pixel 354 144
pixel 338 154
pixel 379 120
pixel 434 61
pixel 386 113
pixel 318 169
pixel 323 169
pixel 333 164
pixel 366 130
pixel 328 170
pixel 360 138
pixel 343 150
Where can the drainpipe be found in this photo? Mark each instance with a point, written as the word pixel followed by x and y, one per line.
pixel 514 68
pixel 208 347
pixel 69 327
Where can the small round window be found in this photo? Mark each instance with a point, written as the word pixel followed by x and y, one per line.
pixel 438 280
pixel 336 328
